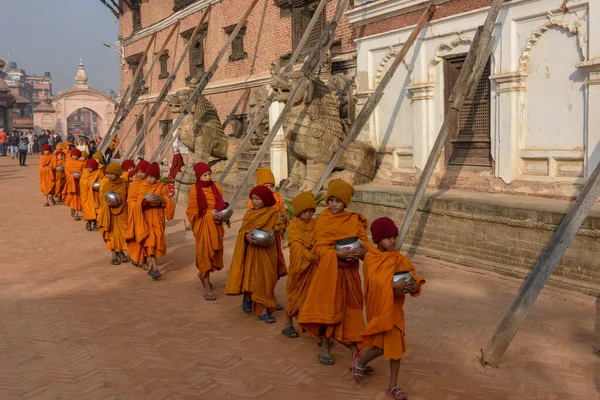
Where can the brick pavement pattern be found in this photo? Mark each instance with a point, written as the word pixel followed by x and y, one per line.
pixel 74 327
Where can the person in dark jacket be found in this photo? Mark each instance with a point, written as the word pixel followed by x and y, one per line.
pixel 23 146
pixel 13 142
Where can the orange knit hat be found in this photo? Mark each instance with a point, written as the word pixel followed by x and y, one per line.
pixel 264 176
pixel 304 201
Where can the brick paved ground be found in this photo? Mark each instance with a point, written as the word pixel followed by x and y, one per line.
pixel 74 327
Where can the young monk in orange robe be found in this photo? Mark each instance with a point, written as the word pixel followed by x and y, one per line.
pixel 384 300
pixel 68 146
pixel 253 270
pixel 334 304
pixel 71 192
pixel 47 174
pixel 136 225
pixel 112 218
pixel 205 198
pixel 154 213
pixel 89 197
pixel 126 166
pixel 98 157
pixel 301 241
pixel 60 179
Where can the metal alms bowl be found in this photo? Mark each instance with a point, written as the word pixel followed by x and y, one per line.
pixel 60 168
pixel 403 275
pixel 112 196
pixel 263 238
pixel 352 242
pixel 76 175
pixel 153 198
pixel 96 186
pixel 226 213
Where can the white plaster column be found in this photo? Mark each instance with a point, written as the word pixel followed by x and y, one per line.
pixel 510 89
pixel 592 147
pixel 422 97
pixel 278 151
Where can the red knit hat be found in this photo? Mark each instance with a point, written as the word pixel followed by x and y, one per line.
pixel 201 168
pixel 131 174
pixel 91 163
pixel 58 153
pixel 383 228
pixel 153 170
pixel 76 152
pixel 142 165
pixel 125 165
pixel 46 147
pixel 265 195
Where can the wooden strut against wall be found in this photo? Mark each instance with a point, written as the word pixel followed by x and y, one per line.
pixel 235 108
pixel 170 138
pixel 141 137
pixel 265 109
pixel 154 122
pixel 310 66
pixel 124 99
pixel 375 98
pixel 141 115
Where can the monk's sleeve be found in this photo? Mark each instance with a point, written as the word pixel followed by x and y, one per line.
pixel 192 207
pixel 169 205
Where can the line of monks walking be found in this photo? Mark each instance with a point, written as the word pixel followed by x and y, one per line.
pixel 129 205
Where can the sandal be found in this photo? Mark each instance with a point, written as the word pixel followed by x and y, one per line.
pixel 154 274
pixel 115 261
pixel 325 360
pixel 397 393
pixel 279 307
pixel 368 369
pixel 88 226
pixel 358 372
pixel 246 306
pixel 267 317
pixel 122 257
pixel 210 297
pixel 289 331
pixel 77 218
pixel 46 205
pixel 135 264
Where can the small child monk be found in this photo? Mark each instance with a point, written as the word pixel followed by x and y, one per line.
pixel 71 191
pixel 126 166
pixel 384 335
pixel 89 197
pixel 47 178
pixel 67 149
pixel 136 224
pixel 112 217
pixel 301 241
pixel 155 211
pixel 60 179
pixel 333 308
pixel 84 156
pixel 206 198
pixel 253 270
pixel 98 157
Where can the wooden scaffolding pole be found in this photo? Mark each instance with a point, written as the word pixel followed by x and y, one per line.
pixel 310 66
pixel 480 51
pixel 541 272
pixel 125 98
pixel 142 113
pixel 135 152
pixel 235 108
pixel 170 138
pixel 265 109
pixel 374 99
pixel 167 85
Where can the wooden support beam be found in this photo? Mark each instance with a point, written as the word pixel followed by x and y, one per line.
pixel 170 138
pixel 115 12
pixel 541 272
pixel 124 99
pixel 135 151
pixel 374 99
pixel 131 128
pixel 310 66
pixel 464 88
pixel 169 81
pixel 235 108
pixel 265 109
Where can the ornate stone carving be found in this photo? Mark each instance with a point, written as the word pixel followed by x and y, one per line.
pixel 446 47
pixel 315 128
pixel 258 99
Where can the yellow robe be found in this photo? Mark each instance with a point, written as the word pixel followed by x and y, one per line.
pixel 301 241
pixel 90 198
pixel 46 174
pixel 136 225
pixel 60 178
pixel 112 221
pixel 71 191
pixel 155 241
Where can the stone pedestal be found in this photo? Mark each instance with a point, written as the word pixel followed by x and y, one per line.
pixel 592 68
pixel 278 151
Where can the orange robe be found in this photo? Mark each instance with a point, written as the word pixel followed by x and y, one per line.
pixel 60 178
pixel 71 191
pixel 280 207
pixel 112 221
pixel 136 225
pixel 208 234
pixel 301 241
pixel 155 240
pixel 334 303
pixel 254 268
pixel 89 197
pixel 385 312
pixel 46 174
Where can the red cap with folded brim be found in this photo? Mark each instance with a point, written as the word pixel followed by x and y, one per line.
pixel 76 152
pixel 265 194
pixel 142 165
pixel 153 170
pixel 200 169
pixel 127 164
pixel 46 147
pixel 383 228
pixel 91 163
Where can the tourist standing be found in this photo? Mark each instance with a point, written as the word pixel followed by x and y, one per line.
pixel 30 142
pixel 23 146
pixel 13 142
pixel 42 140
pixel 3 140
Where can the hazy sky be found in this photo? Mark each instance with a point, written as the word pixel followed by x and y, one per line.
pixel 52 35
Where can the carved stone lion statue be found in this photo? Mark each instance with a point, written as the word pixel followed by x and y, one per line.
pixel 315 128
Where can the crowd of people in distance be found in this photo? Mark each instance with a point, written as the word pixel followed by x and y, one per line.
pixel 129 205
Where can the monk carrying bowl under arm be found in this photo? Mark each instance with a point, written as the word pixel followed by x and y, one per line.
pixel 47 175
pixel 334 304
pixel 90 198
pixel 253 270
pixel 71 191
pixel 60 178
pixel 136 225
pixel 384 298
pixel 205 198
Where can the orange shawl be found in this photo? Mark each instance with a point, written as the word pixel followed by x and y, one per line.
pixel 209 235
pixel 89 198
pixel 301 241
pixel 155 241
pixel 136 225
pixel 254 268
pixel 335 300
pixel 112 221
pixel 71 192
pixel 46 174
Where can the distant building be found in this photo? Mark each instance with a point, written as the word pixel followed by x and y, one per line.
pixel 28 91
pixel 42 87
pixel 6 101
pixel 83 122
